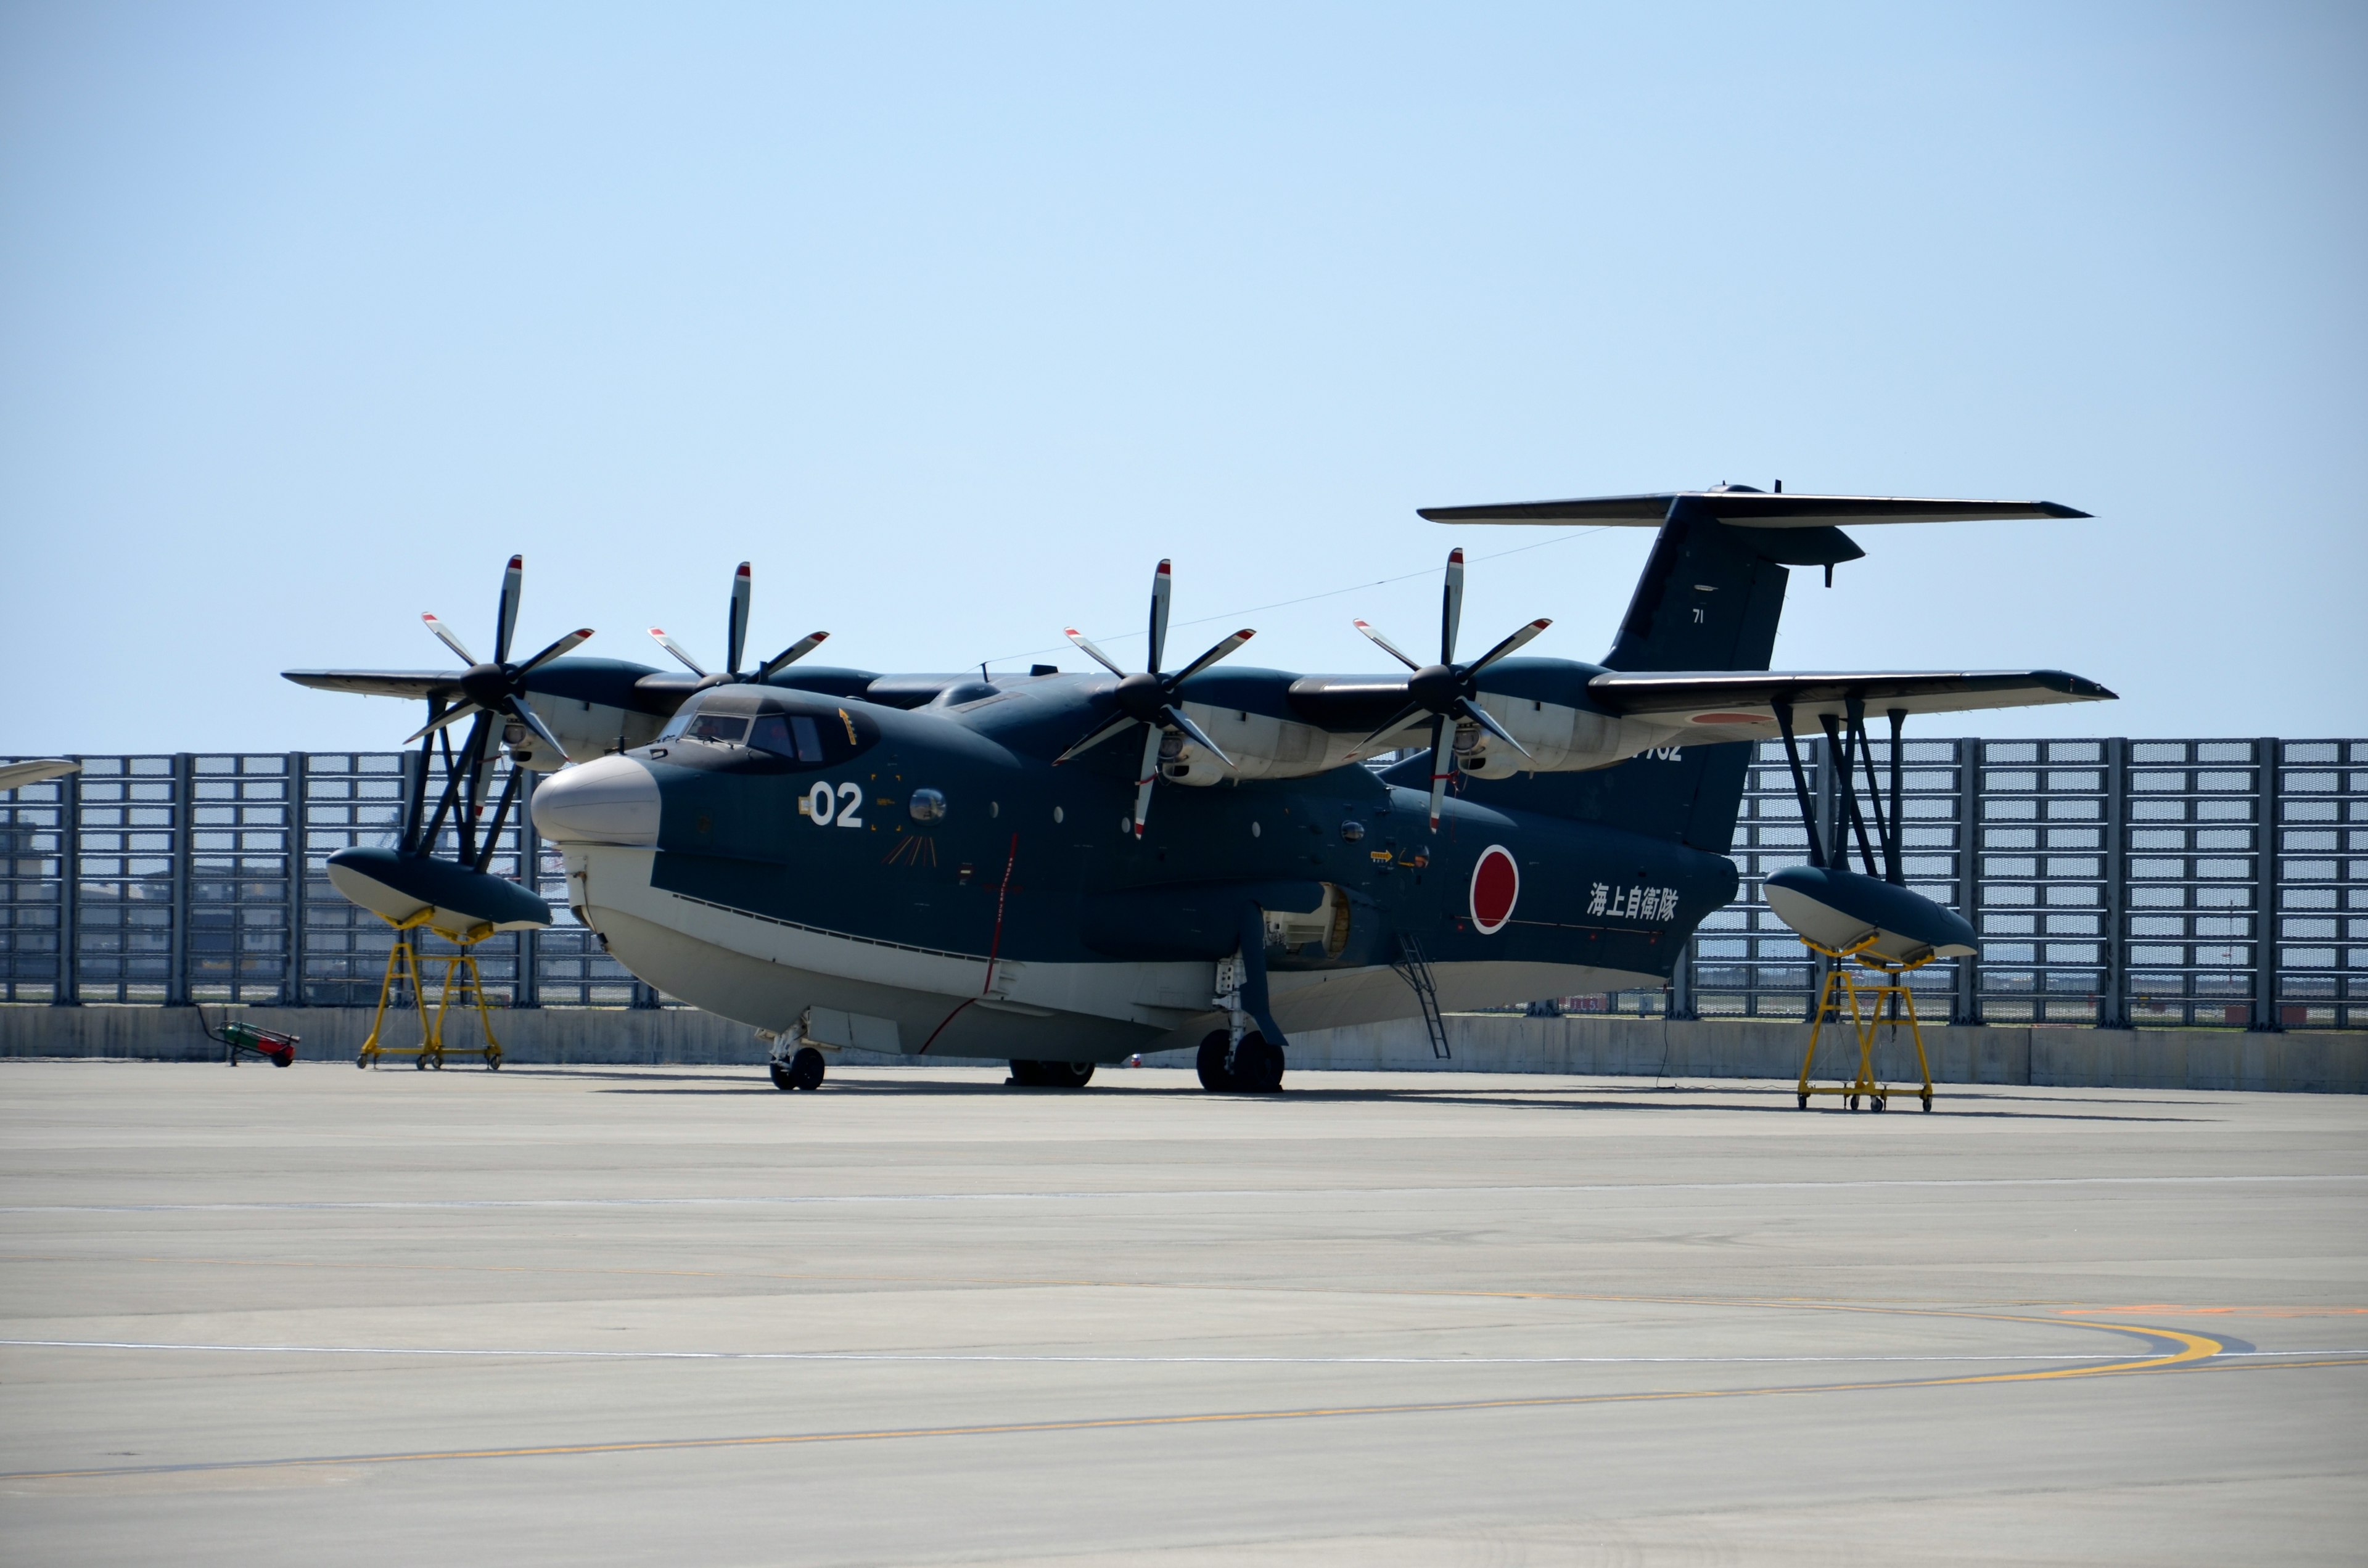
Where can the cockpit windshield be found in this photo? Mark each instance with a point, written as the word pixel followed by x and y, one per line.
pixel 724 729
pixel 818 736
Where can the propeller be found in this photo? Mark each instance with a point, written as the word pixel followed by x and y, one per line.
pixel 1149 698
pixel 735 640
pixel 498 687
pixel 1448 690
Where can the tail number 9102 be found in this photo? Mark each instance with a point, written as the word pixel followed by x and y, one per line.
pixel 825 804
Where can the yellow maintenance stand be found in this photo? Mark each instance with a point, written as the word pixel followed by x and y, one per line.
pixel 1866 1006
pixel 461 978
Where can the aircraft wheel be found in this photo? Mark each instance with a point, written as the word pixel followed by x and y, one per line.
pixel 806 1068
pixel 1804 1102
pixel 1853 1102
pixel 1028 1074
pixel 1257 1065
pixel 1927 1102
pixel 780 1072
pixel 419 1063
pixel 1065 1075
pixel 362 1061
pixel 1882 1102
pixel 1213 1073
pixel 493 1059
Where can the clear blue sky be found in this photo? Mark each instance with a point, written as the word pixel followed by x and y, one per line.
pixel 955 319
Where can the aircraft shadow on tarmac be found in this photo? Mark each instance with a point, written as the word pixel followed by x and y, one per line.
pixel 1655 1098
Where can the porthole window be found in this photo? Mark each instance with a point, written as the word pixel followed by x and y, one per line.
pixel 928 805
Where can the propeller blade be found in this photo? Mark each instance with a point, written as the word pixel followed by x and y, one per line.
pixel 1397 718
pixel 1221 651
pixel 1160 587
pixel 522 708
pixel 1150 774
pixel 506 613
pixel 463 711
pixel 1096 654
pixel 1387 646
pixel 1442 769
pixel 1451 608
pixel 1518 639
pixel 1486 721
pixel 444 635
pixel 1095 739
pixel 1175 719
pixel 791 655
pixel 735 637
pixel 671 646
pixel 581 634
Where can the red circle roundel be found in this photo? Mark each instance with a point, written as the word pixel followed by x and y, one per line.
pixel 1496 888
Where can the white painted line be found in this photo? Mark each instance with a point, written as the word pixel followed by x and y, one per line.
pixel 1095 1360
pixel 770 1199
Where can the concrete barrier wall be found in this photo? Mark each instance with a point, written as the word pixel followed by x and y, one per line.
pixel 529 1037
pixel 2310 1061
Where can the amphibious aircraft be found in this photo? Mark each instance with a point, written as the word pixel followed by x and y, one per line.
pixel 972 866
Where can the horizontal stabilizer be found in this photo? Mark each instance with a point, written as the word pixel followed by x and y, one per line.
pixel 1739 705
pixel 1746 508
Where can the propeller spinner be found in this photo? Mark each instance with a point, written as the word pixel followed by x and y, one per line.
pixel 498 687
pixel 735 640
pixel 1149 698
pixel 1447 690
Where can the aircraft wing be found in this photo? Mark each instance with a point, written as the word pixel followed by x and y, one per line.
pixel 1746 508
pixel 413 684
pixel 1730 705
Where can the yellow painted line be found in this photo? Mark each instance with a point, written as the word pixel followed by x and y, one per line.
pixel 2192 1347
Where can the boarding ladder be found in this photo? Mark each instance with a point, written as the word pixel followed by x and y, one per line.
pixel 1416 973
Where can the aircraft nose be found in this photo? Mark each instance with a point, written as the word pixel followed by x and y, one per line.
pixel 612 800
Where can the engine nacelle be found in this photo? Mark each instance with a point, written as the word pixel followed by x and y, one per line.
pixel 1561 739
pixel 586 728
pixel 1261 746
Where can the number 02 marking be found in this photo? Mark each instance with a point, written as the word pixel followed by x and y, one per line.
pixel 844 806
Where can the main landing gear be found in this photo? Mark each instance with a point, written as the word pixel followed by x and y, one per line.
pixel 1052 1075
pixel 802 1071
pixel 1255 1067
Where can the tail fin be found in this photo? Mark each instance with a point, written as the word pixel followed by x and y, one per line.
pixel 1712 593
pixel 1709 599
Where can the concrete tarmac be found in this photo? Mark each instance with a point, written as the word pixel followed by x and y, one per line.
pixel 631 1316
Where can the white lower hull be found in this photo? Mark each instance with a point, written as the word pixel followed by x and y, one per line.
pixel 768 973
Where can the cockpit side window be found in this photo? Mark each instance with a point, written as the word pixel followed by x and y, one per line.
pixel 813 737
pixel 793 736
